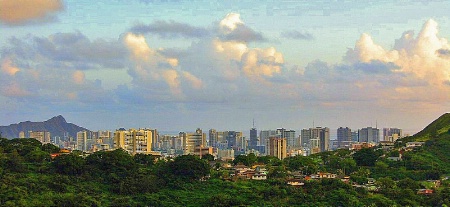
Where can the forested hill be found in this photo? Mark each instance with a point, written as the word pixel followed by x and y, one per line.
pixel 436 150
pixel 57 126
pixel 437 128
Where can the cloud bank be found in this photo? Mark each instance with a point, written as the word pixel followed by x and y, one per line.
pixel 17 12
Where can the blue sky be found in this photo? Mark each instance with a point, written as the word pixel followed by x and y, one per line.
pixel 179 65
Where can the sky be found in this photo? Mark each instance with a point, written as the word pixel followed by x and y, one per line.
pixel 179 65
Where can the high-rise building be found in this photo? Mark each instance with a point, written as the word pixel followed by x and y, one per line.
pixel 318 139
pixel 344 137
pixel 264 136
pixel 292 140
pixel 213 138
pixel 253 138
pixel 369 135
pixel 392 134
pixel 277 147
pixel 232 138
pixel 42 136
pixel 21 134
pixel 192 140
pixel 355 137
pixel 82 141
pixel 134 140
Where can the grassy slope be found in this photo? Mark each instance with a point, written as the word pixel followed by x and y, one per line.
pixel 437 146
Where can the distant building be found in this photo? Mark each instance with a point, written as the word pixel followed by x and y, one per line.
pixel 21 134
pixel 42 136
pixel 344 137
pixel 192 140
pixel 225 154
pixel 292 141
pixel 392 134
pixel 355 137
pixel 369 135
pixel 277 147
pixel 253 138
pixel 134 140
pixel 82 141
pixel 213 138
pixel 318 139
pixel 264 136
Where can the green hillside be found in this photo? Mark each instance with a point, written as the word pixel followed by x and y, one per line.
pixel 438 127
pixel 436 150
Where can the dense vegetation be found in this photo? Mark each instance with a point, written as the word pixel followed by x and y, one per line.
pixel 30 177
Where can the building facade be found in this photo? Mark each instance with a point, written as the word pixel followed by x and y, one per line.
pixel 369 135
pixel 134 141
pixel 344 137
pixel 278 147
pixel 392 134
pixel 42 136
pixel 317 139
pixel 192 140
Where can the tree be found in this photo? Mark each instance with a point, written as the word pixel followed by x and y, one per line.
pixel 302 163
pixel 38 156
pixel 188 167
pixel 385 184
pixel 366 157
pixel 348 165
pixel 68 164
pixel 247 160
pixel 144 159
pixel 208 157
pixel 50 148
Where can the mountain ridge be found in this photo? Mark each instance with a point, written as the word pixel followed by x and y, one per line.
pixel 57 126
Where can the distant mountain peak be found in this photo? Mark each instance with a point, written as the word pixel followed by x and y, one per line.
pixel 57 126
pixel 57 119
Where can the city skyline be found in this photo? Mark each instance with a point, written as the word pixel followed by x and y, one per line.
pixel 220 64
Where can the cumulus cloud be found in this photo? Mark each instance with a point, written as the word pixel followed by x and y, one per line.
pixel 257 63
pixel 232 28
pixel 8 68
pixel 70 50
pixel 294 34
pixel 366 50
pixel 150 66
pixel 52 69
pixel 16 12
pixel 195 82
pixel 170 29
pixel 422 56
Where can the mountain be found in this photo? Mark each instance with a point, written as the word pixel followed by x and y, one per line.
pixel 436 151
pixel 57 126
pixel 435 129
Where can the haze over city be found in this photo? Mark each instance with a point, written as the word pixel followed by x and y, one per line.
pixel 182 65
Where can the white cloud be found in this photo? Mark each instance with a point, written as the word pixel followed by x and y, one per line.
pixel 257 63
pixel 416 56
pixel 230 23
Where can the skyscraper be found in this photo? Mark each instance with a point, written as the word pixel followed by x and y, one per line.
pixel 232 138
pixel 392 134
pixel 318 139
pixel 369 135
pixel 213 138
pixel 253 138
pixel 292 140
pixel 344 137
pixel 134 141
pixel 42 136
pixel 82 141
pixel 277 147
pixel 192 140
